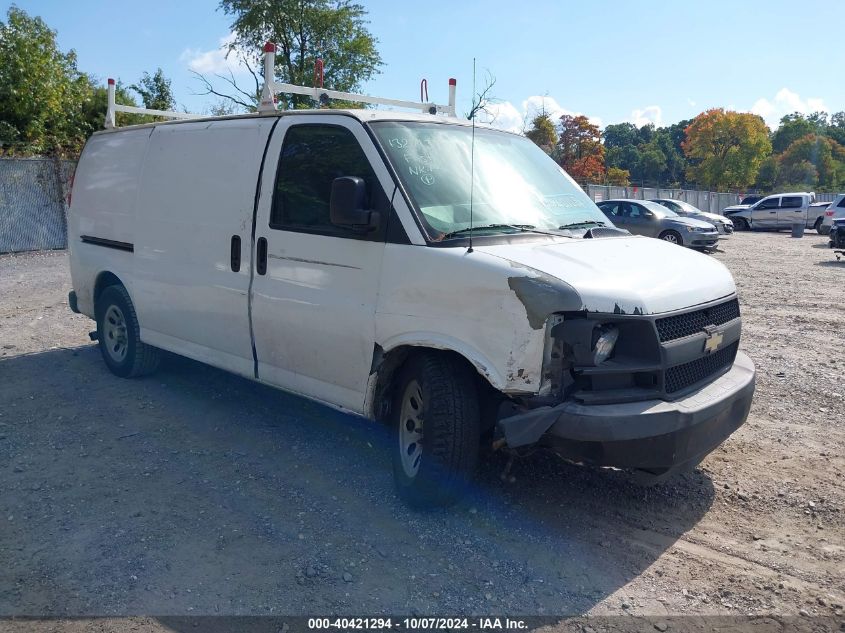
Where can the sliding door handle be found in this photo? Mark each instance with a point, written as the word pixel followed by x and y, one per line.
pixel 261 256
pixel 235 253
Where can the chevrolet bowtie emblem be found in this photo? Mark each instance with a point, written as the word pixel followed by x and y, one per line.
pixel 713 341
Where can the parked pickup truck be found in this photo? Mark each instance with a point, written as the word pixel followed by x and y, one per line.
pixel 778 211
pixel 356 257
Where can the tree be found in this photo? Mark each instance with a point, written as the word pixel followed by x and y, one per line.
pixel 618 177
pixel 579 148
pixel 305 30
pixel 836 129
pixel 652 164
pixel 482 100
pixel 155 91
pixel 42 93
pixel 725 149
pixel 769 174
pixel 820 153
pixel 620 135
pixel 543 133
pixel 796 125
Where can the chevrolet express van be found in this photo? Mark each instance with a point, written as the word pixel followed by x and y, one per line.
pixel 453 283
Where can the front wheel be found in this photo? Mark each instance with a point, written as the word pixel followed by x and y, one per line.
pixel 436 428
pixel 673 237
pixel 740 224
pixel 119 335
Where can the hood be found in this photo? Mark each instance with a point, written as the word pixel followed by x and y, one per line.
pixel 707 215
pixel 689 222
pixel 631 275
pixel 736 207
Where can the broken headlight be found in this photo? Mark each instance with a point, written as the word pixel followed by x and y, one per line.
pixel 604 343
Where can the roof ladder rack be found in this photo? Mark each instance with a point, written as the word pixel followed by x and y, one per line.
pixel 271 88
pixel 321 95
pixel 116 107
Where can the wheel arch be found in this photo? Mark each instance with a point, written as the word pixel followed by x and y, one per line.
pixel 105 279
pixel 388 359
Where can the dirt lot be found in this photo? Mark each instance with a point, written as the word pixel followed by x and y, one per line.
pixel 196 492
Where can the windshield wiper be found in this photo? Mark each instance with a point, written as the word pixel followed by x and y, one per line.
pixel 583 223
pixel 517 227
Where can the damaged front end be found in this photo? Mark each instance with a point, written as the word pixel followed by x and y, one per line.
pixel 649 392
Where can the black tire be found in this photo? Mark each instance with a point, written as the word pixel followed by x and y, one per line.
pixel 741 224
pixel 672 237
pixel 124 354
pixel 818 224
pixel 449 439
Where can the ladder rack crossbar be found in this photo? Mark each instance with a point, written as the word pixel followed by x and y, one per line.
pixel 163 113
pixel 316 93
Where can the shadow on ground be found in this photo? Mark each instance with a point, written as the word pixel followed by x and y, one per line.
pixel 195 492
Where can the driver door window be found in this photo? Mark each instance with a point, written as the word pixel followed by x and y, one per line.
pixel 312 157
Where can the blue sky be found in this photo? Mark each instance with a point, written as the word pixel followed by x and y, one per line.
pixel 610 60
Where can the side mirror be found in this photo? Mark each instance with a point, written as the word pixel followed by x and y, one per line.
pixel 346 206
pixel 648 215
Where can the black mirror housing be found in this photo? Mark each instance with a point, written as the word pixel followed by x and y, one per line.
pixel 346 206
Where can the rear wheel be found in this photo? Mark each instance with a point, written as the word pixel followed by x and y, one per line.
pixel 818 225
pixel 741 224
pixel 436 428
pixel 119 335
pixel 673 237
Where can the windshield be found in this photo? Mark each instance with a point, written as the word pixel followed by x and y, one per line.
pixel 658 209
pixel 517 186
pixel 686 207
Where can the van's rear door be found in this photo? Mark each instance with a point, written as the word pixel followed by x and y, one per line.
pixel 316 284
pixel 194 210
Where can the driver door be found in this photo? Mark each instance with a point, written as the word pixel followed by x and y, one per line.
pixel 764 214
pixel 641 221
pixel 315 284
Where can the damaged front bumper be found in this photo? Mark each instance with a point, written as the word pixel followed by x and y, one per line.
pixel 655 436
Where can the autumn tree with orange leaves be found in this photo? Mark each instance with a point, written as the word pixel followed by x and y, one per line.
pixel 579 150
pixel 725 149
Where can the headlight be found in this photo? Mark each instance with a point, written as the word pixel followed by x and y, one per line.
pixel 699 229
pixel 604 344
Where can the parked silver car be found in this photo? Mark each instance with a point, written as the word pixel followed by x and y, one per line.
pixel 643 217
pixel 686 210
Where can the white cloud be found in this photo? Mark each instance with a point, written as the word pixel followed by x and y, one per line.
pixel 502 115
pixel 649 114
pixel 216 60
pixel 506 116
pixel 786 102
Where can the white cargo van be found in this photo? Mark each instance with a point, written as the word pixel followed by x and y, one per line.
pixel 453 283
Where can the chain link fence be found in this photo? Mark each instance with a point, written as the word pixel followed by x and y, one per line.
pixel 33 203
pixel 712 201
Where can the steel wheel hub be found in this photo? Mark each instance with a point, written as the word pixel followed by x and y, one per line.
pixel 411 428
pixel 115 336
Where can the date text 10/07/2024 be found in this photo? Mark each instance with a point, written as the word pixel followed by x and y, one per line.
pixel 418 624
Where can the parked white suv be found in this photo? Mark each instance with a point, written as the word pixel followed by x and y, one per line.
pixel 364 259
pixel 834 210
pixel 779 211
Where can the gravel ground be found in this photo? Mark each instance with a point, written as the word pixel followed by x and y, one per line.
pixel 194 492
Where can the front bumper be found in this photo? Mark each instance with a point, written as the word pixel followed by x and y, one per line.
pixel 654 435
pixel 701 240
